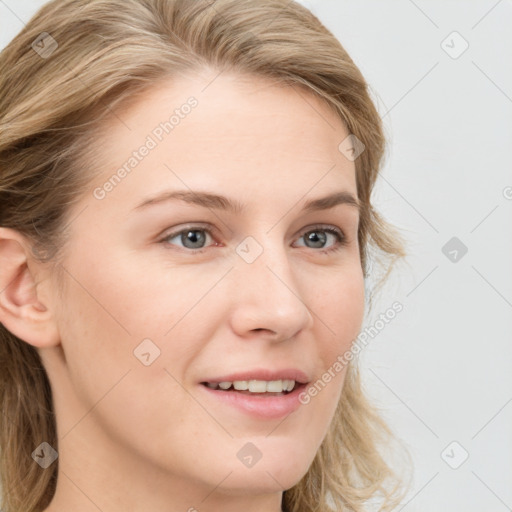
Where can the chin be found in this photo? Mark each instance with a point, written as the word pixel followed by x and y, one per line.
pixel 260 482
pixel 273 475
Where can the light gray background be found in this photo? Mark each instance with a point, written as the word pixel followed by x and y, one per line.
pixel 441 370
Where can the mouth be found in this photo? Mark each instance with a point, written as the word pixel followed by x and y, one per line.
pixel 261 393
pixel 260 400
pixel 256 387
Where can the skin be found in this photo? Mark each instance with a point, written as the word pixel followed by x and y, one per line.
pixel 137 438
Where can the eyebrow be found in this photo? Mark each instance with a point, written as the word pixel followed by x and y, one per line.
pixel 218 202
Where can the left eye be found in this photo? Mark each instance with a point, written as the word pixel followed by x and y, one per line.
pixel 195 238
pixel 318 236
pixel 190 238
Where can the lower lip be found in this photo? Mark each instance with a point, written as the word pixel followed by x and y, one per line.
pixel 259 406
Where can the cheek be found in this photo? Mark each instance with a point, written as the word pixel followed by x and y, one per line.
pixel 111 387
pixel 118 316
pixel 94 338
pixel 98 326
pixel 339 307
pixel 339 315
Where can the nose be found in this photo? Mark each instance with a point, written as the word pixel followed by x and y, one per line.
pixel 266 297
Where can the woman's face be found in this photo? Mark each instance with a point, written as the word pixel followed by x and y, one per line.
pixel 164 294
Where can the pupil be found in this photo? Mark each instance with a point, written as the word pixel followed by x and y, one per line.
pixel 192 236
pixel 314 237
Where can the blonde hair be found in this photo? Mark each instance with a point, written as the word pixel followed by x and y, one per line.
pixel 52 106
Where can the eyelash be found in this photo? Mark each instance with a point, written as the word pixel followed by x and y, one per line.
pixel 340 237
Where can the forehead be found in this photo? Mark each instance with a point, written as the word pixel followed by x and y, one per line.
pixel 226 131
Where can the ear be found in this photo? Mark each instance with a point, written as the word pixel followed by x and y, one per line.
pixel 25 308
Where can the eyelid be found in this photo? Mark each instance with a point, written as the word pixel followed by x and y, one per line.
pixel 191 226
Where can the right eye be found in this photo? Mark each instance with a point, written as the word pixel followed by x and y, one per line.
pixel 193 238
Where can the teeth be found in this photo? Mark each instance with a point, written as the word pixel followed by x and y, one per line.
pixel 256 386
pixel 291 384
pixel 276 386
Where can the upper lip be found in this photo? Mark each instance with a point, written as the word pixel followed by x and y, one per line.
pixel 264 374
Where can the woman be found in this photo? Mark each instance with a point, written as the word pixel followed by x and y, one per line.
pixel 185 224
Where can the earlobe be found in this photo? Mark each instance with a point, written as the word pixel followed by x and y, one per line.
pixel 24 309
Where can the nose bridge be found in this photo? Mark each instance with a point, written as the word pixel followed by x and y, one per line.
pixel 263 260
pixel 268 296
